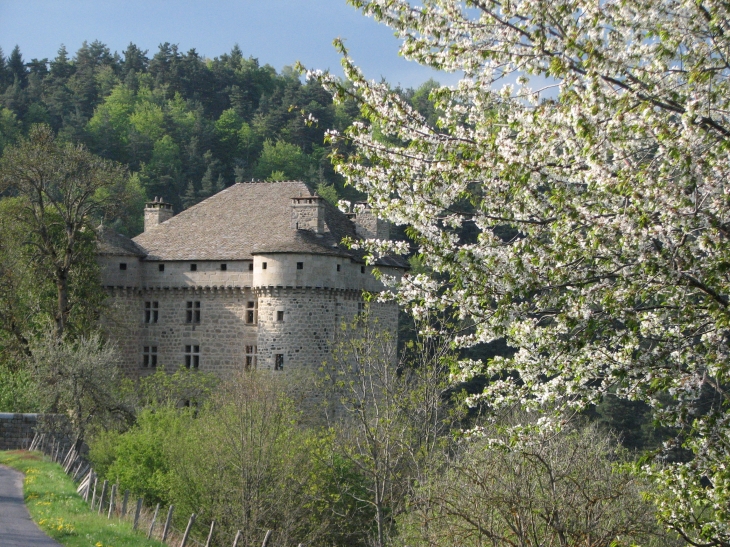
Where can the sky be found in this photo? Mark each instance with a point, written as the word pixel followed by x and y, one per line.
pixel 277 32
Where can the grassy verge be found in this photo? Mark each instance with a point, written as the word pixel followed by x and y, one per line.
pixel 56 507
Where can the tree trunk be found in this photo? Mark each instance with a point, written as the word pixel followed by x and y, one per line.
pixel 62 309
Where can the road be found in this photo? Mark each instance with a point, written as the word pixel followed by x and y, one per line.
pixel 16 527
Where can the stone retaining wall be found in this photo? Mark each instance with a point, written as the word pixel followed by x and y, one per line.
pixel 16 430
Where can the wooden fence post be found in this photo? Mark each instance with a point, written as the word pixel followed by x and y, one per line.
pixel 266 539
pixel 238 536
pixel 124 503
pixel 187 531
pixel 103 495
pixel 75 470
pixel 210 534
pixel 69 459
pixel 154 519
pixel 166 529
pixel 93 498
pixel 136 514
pixel 81 471
pixel 111 501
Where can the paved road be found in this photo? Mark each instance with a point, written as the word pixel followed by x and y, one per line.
pixel 16 528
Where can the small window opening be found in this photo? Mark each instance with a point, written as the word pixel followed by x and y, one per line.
pixel 251 312
pixel 224 267
pixel 251 352
pixel 151 312
pixel 362 269
pixel 192 356
pixel 161 267
pixel 300 265
pixel 250 267
pixel 280 315
pixel 149 357
pixel 279 361
pixel 338 268
pixel 263 265
pixel 193 267
pixel 192 310
pixel 122 265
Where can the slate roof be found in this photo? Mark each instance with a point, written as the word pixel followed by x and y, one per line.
pixel 245 219
pixel 110 242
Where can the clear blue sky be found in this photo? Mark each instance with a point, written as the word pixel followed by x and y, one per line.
pixel 277 32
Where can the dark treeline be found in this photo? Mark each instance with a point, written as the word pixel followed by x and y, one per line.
pixel 186 126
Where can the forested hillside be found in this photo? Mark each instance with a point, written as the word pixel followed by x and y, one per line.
pixel 186 126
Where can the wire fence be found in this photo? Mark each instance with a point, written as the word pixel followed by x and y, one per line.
pixel 154 523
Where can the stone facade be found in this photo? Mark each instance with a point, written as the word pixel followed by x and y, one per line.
pixel 17 430
pixel 277 304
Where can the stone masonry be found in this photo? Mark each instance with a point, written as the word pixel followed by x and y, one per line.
pixel 254 276
pixel 16 430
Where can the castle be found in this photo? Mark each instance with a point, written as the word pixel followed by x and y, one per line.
pixel 255 276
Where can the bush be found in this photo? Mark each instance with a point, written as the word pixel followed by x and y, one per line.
pixel 18 392
pixel 140 459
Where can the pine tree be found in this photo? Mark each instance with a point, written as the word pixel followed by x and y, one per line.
pixel 190 197
pixel 17 66
pixel 61 66
pixel 220 185
pixel 207 186
pixel 134 59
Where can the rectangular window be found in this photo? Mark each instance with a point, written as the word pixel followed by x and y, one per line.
pixel 300 265
pixel 360 308
pixel 251 357
pixel 224 267
pixel 193 267
pixel 280 315
pixel 122 265
pixel 149 357
pixel 338 267
pixel 151 312
pixel 279 361
pixel 250 267
pixel 161 267
pixel 192 312
pixel 192 356
pixel 263 265
pixel 251 313
pixel 362 269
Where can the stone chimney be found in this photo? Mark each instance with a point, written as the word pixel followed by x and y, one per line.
pixel 156 212
pixel 367 225
pixel 307 213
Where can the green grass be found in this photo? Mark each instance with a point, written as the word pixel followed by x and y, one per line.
pixel 56 507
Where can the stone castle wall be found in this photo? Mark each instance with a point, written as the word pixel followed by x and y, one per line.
pixel 221 335
pixel 238 273
pixel 316 294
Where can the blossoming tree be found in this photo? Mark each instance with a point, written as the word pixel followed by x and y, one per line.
pixel 601 204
